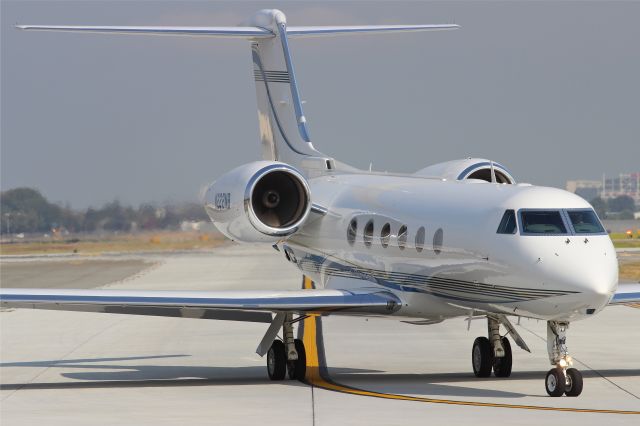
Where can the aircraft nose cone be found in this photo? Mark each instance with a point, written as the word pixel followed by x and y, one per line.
pixel 598 281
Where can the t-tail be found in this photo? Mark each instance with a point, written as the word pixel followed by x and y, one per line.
pixel 284 130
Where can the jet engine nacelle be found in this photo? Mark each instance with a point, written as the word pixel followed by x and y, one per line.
pixel 478 169
pixel 263 201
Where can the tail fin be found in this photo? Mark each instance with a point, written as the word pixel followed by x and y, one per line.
pixel 284 132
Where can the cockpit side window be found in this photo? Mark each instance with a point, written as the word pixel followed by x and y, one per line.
pixel 585 222
pixel 542 222
pixel 508 223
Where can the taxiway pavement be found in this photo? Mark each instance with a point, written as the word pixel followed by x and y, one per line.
pixel 82 368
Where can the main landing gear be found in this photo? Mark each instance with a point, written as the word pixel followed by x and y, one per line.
pixel 278 365
pixel 493 353
pixel 562 379
pixel 287 355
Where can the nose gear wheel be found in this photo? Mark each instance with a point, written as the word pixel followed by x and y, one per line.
pixel 555 382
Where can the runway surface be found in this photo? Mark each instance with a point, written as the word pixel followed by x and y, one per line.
pixel 68 273
pixel 82 368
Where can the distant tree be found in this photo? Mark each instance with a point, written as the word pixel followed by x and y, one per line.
pixel 90 220
pixel 625 215
pixel 116 217
pixel 146 217
pixel 71 220
pixel 27 210
pixel 600 206
pixel 621 203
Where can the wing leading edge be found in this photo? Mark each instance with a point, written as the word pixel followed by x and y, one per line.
pixel 626 293
pixel 252 306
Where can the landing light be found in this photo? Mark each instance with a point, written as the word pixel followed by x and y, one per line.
pixel 566 362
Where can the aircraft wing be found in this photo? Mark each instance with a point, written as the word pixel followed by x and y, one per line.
pixel 252 306
pixel 626 294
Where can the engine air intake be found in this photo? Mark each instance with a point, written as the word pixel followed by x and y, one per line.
pixel 263 201
pixel 279 199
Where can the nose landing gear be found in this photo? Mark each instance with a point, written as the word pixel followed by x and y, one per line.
pixel 574 382
pixel 555 382
pixel 562 379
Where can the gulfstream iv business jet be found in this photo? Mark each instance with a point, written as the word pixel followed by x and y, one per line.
pixel 457 239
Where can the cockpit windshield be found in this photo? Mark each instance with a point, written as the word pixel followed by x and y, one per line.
pixel 585 222
pixel 558 222
pixel 542 222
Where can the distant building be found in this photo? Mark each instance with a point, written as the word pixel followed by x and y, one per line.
pixel 609 187
pixel 624 184
pixel 587 189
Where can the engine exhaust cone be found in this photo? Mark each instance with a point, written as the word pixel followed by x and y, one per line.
pixel 271 199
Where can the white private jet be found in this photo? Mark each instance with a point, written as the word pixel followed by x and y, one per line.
pixel 456 239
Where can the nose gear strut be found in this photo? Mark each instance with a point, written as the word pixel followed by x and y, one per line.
pixel 562 379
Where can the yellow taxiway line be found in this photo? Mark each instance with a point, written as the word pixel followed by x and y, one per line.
pixel 317 375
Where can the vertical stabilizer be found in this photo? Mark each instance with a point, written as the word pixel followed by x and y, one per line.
pixel 284 132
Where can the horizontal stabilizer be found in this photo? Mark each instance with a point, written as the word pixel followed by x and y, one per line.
pixel 240 32
pixel 363 29
pixel 230 32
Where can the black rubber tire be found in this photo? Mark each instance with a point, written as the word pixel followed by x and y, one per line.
pixel 554 382
pixel 574 382
pixel 502 366
pixel 298 368
pixel 481 357
pixel 276 361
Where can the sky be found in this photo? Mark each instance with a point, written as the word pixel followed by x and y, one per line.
pixel 551 90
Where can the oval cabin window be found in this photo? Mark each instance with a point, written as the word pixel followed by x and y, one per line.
pixel 385 235
pixel 402 237
pixel 420 239
pixel 368 233
pixel 352 230
pixel 438 238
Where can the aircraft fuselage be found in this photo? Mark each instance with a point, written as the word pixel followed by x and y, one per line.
pixel 435 244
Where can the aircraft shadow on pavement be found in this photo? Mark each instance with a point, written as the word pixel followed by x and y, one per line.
pixel 439 384
pixel 465 377
pixel 97 374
